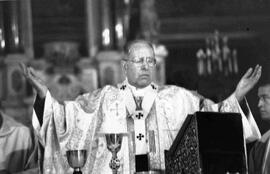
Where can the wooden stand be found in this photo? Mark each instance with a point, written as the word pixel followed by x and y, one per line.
pixel 208 143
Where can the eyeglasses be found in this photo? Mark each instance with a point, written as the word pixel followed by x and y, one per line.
pixel 140 61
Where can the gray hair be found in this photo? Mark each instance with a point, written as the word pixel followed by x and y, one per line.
pixel 128 47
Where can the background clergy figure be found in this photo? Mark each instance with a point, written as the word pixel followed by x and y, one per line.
pixel 18 148
pixel 259 157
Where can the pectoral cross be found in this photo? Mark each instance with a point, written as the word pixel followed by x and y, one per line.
pixel 138 102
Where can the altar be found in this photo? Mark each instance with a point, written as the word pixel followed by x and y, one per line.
pixel 208 143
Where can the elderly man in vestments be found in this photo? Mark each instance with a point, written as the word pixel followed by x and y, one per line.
pixel 18 148
pixel 150 115
pixel 259 157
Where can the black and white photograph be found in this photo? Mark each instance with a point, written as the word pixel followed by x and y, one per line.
pixel 134 87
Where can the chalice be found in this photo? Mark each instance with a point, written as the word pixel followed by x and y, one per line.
pixel 76 159
pixel 114 141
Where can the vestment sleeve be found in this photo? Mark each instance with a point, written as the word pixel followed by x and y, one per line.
pixel 39 108
pixel 250 128
pixel 30 164
pixel 62 122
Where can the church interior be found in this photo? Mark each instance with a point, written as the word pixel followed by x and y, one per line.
pixel 77 46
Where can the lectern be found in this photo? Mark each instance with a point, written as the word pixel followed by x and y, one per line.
pixel 208 143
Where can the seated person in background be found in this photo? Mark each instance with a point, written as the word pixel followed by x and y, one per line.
pixel 259 156
pixel 150 113
pixel 18 150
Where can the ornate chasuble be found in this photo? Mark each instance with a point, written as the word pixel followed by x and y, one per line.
pixel 78 125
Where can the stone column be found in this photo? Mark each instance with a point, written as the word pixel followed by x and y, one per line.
pixel 122 18
pixel 107 24
pixel 2 31
pixel 12 24
pixel 149 20
pixel 26 28
pixel 2 50
pixel 93 34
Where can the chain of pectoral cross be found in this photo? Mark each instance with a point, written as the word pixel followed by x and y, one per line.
pixel 138 101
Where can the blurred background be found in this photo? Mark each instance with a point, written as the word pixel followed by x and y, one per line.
pixel 76 46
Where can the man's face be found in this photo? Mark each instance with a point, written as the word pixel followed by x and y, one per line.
pixel 139 67
pixel 264 101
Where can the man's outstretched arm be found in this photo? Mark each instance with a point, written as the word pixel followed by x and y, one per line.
pixel 40 87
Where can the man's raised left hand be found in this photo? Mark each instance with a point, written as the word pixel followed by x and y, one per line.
pixel 247 82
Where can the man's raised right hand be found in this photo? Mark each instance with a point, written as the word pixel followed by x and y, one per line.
pixel 34 80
